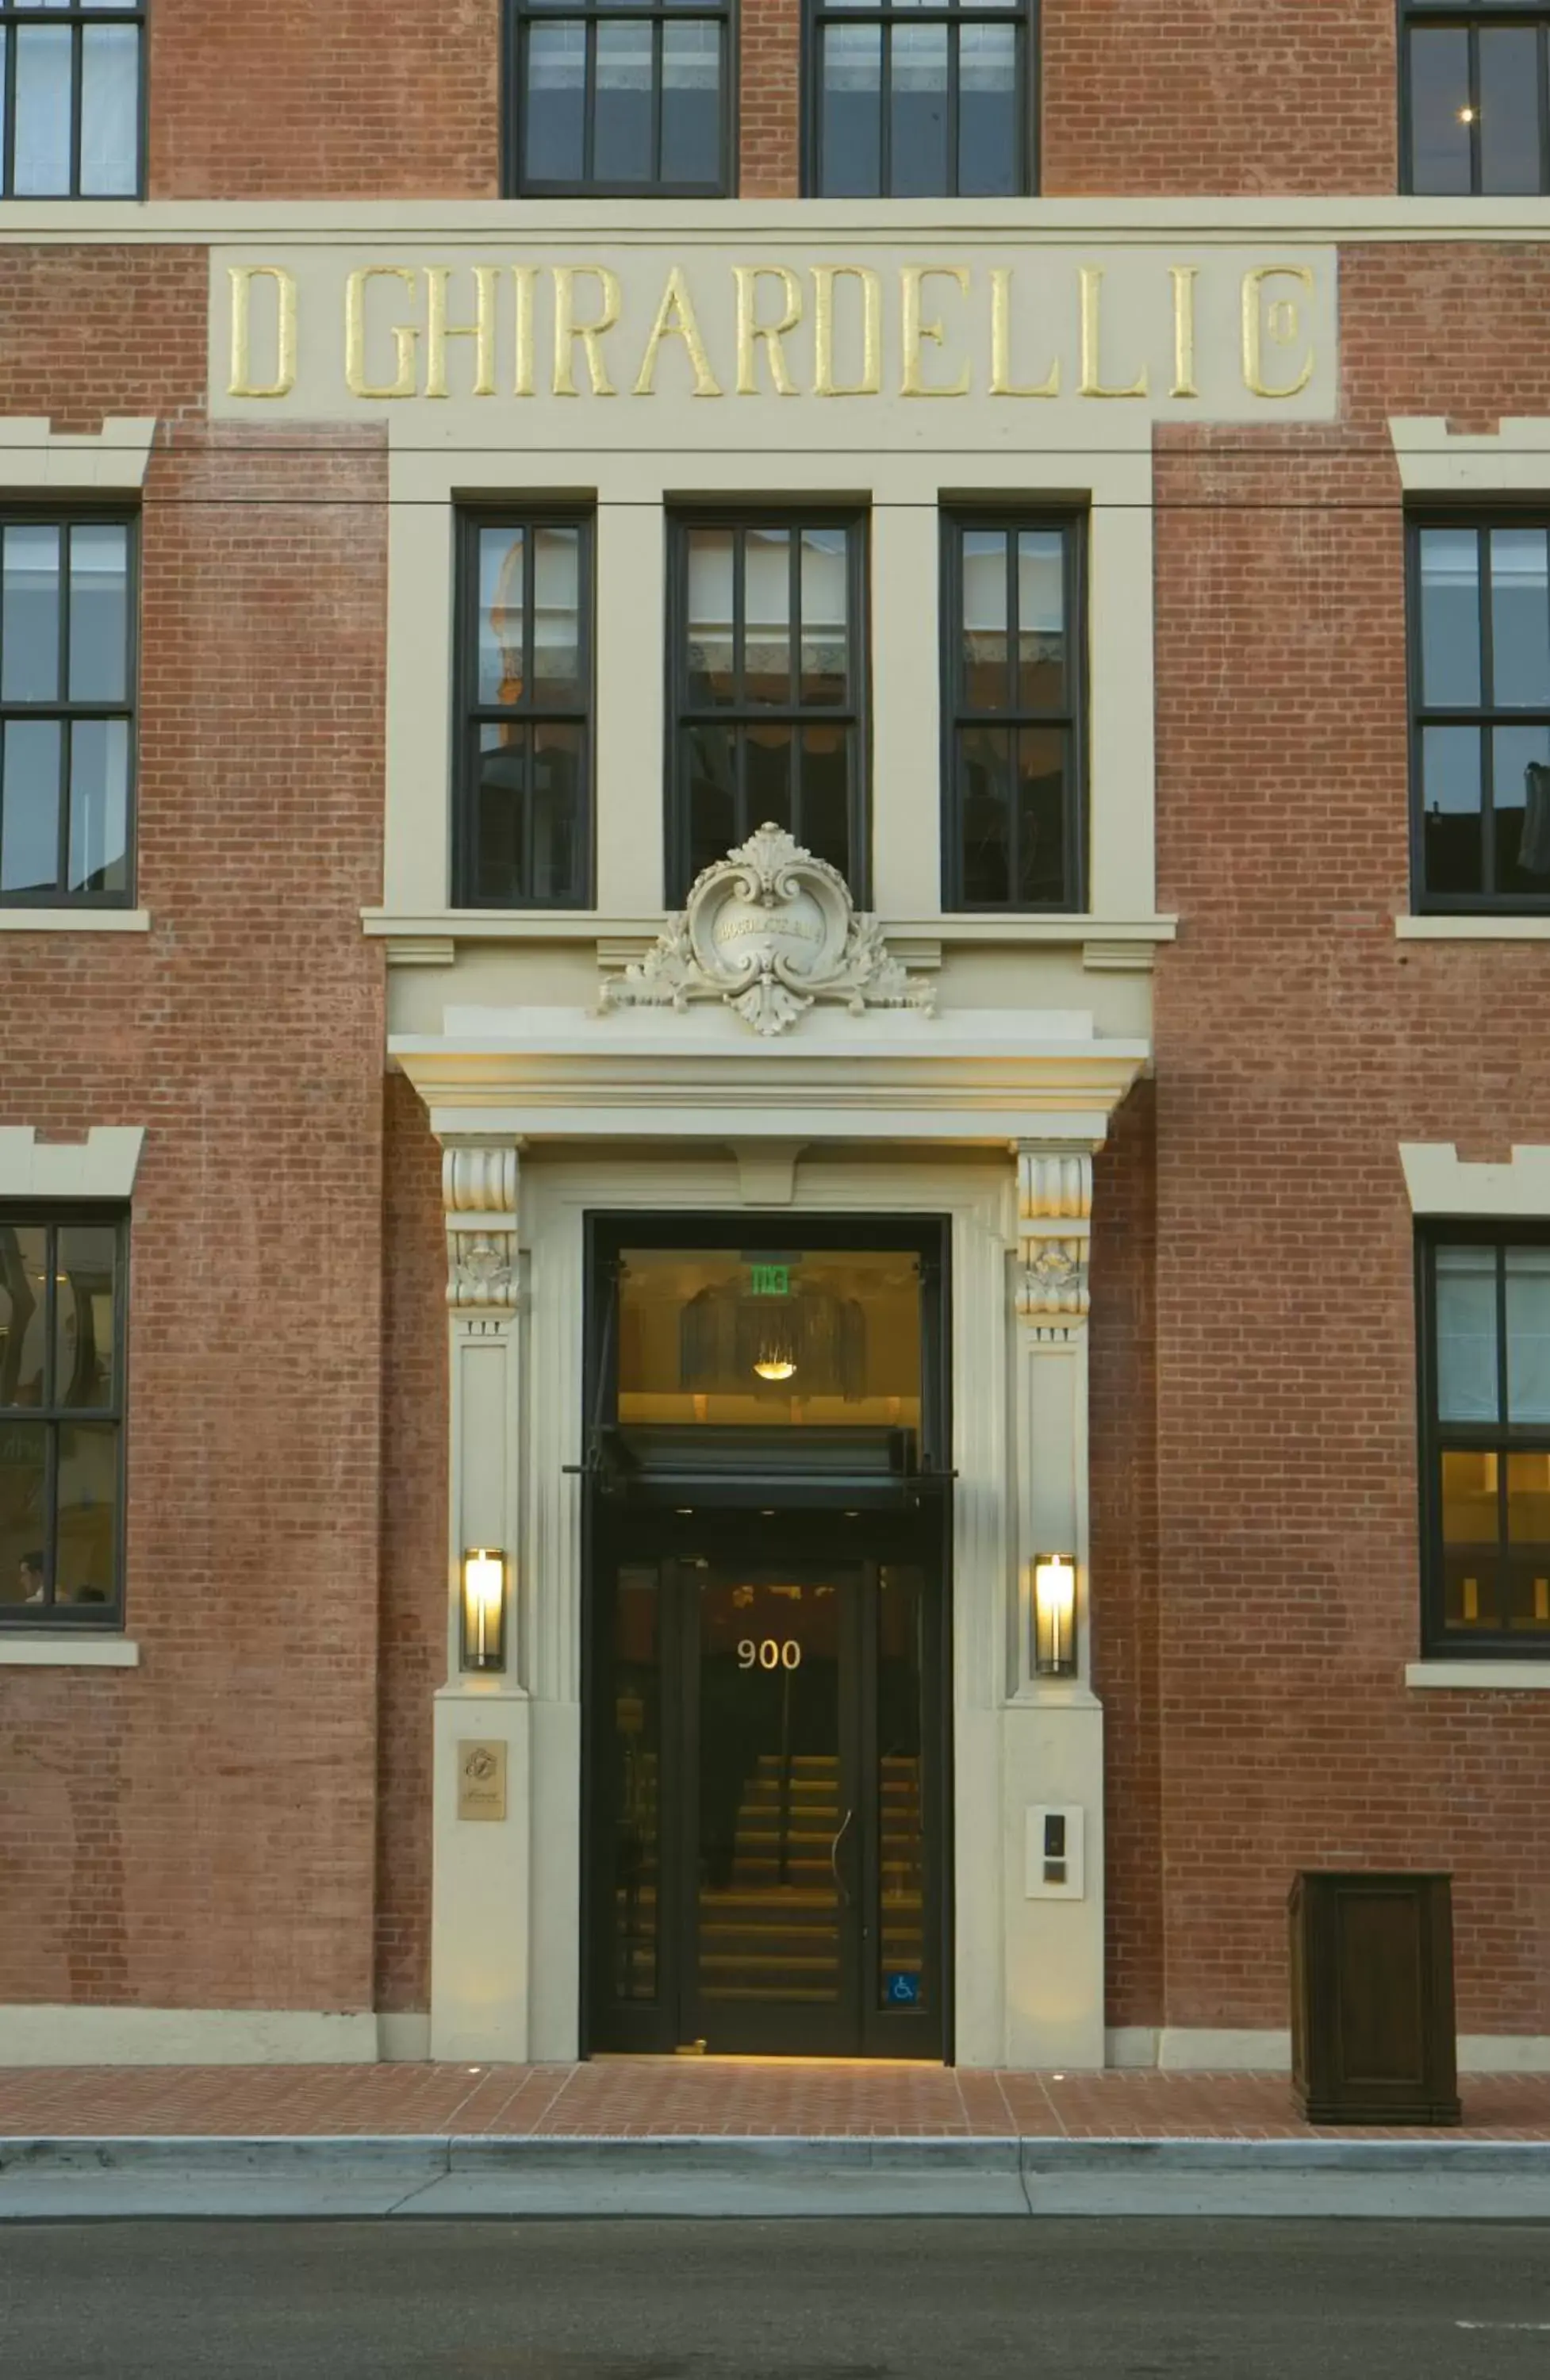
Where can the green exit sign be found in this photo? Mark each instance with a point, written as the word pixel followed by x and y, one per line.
pixel 769 1280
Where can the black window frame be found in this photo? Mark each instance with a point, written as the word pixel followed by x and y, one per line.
pixel 855 520
pixel 77 19
pixel 517 18
pixel 55 1215
pixel 471 714
pixel 1484 902
pixel 956 715
pixel 1024 14
pixel 65 516
pixel 1470 17
pixel 1436 1436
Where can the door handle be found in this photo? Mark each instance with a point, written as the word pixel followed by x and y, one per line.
pixel 834 1859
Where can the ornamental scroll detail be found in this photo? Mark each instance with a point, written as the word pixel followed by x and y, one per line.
pixel 1053 1228
pixel 768 931
pixel 479 1191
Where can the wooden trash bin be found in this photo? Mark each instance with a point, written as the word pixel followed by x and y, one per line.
pixel 1371 1998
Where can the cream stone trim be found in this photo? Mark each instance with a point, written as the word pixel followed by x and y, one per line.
pixel 74 921
pixel 1473 930
pixel 404 2037
pixel 43 2035
pixel 34 455
pixel 1439 1183
pixel 1101 222
pixel 1513 459
pixel 68 1650
pixel 443 928
pixel 101 1166
pixel 1482 1677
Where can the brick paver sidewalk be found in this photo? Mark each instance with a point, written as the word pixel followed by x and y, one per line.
pixel 618 2097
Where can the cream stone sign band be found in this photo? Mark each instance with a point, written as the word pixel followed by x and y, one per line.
pixel 1025 326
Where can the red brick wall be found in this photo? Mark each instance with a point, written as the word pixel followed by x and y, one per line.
pixel 199 1831
pixel 769 37
pixel 1186 98
pixel 1297 1044
pixel 415 1393
pixel 287 99
pixel 88 331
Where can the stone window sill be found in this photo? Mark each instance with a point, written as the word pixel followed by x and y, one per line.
pixel 67 1650
pixel 1484 928
pixel 74 921
pixel 1482 1677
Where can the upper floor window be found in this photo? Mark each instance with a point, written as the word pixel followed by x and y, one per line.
pixel 67 708
pixel 1012 703
pixel 61 1416
pixel 1480 675
pixel 1485 1428
pixel 73 89
pixel 767 688
pixel 524 775
pixel 1476 83
pixel 919 102
pixel 620 96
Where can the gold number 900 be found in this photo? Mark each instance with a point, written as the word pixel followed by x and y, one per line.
pixel 768 1652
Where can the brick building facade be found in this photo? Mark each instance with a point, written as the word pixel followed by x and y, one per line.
pixel 1157 1200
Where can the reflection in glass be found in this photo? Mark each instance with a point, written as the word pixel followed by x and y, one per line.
pixel 1509 154
pixel 1450 618
pixel 918 111
pixel 1521 780
pixel 987 141
pixel 42 120
pixel 711 671
pixel 23 1304
pixel 557 616
pixel 554 110
pixel 824 615
pixel 901 1980
pixel 29 613
pixel 1450 793
pixel 692 104
pixel 85 1559
pixel 502 616
pixel 851 126
pixel 1041 619
pixel 30 759
pixel 635 1695
pixel 984 619
pixel 767 623
pixel 23 1512
pixel 1466 1310
pixel 1439 100
pixel 110 111
pixel 771 1819
pixel 98 612
pixel 1528 1334
pixel 99 852
pixel 1519 619
pixel 621 109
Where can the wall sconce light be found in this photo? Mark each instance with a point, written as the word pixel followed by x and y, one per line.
pixel 1054 1616
pixel 484 1608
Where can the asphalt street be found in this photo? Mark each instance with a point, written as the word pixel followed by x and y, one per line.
pixel 1155 2299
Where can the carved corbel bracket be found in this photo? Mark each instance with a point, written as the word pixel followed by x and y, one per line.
pixel 479 1193
pixel 1054 1230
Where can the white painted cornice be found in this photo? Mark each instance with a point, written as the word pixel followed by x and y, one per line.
pixel 697 223
pixel 980 1077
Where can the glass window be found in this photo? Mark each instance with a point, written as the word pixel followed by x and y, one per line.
pixel 770 1336
pixel 768 693
pixel 61 1418
pixel 66 683
pixel 525 811
pixel 1485 1337
pixel 628 96
pixel 908 101
pixel 70 121
pixel 1481 742
pixel 1012 661
pixel 1475 91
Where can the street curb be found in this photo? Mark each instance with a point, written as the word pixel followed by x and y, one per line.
pixel 748 2156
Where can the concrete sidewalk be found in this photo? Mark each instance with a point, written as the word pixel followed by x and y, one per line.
pixel 402 2176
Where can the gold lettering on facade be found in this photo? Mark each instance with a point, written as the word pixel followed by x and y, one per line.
pixel 242 278
pixel 1183 277
pixel 438 330
pixel 1091 277
pixel 750 329
pixel 1284 329
pixel 914 330
pixel 676 318
pixel 406 337
pixel 824 382
pixel 524 275
pixel 1002 381
pixel 567 330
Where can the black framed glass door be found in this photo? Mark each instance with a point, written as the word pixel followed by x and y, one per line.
pixel 766 1788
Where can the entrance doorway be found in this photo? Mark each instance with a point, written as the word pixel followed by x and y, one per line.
pixel 766 1757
